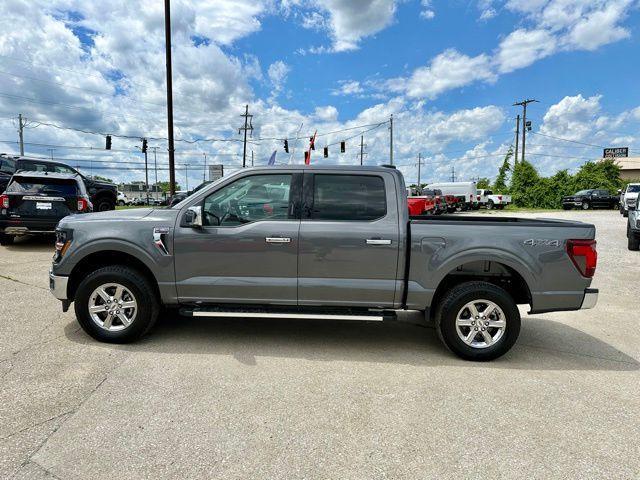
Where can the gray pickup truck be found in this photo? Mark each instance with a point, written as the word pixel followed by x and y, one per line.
pixel 320 242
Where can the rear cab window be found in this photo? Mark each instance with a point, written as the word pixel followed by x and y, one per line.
pixel 348 197
pixel 7 165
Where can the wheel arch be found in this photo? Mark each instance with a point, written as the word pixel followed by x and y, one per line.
pixel 505 273
pixel 101 258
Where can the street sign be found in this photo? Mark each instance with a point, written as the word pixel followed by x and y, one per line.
pixel 616 152
pixel 216 172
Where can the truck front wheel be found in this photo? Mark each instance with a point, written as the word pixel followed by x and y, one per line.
pixel 478 321
pixel 116 304
pixel 633 241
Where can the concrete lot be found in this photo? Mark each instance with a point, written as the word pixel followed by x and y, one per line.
pixel 304 399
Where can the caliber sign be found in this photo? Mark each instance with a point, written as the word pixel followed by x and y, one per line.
pixel 616 152
pixel 216 172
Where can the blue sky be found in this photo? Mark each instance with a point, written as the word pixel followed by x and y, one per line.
pixel 448 71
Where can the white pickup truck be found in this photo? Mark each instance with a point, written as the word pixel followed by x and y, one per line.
pixel 487 199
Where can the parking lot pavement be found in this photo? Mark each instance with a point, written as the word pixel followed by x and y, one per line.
pixel 311 399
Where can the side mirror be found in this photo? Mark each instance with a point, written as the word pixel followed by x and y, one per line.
pixel 619 191
pixel 193 217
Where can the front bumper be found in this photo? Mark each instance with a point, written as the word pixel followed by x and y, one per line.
pixel 58 286
pixel 590 298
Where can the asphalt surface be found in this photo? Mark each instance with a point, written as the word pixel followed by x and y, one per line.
pixel 319 399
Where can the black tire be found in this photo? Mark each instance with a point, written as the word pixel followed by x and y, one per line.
pixel 633 240
pixel 103 205
pixel 585 205
pixel 121 203
pixel 566 207
pixel 142 291
pixel 454 300
pixel 500 207
pixel 6 239
pixel 625 214
pixel 490 205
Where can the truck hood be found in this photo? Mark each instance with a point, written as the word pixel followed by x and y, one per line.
pixel 133 214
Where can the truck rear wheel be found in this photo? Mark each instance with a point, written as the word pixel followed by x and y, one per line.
pixel 6 239
pixel 478 321
pixel 490 205
pixel 633 241
pixel 116 304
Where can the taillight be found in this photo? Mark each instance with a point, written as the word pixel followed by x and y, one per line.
pixel 4 201
pixel 584 256
pixel 82 204
pixel 478 197
pixel 500 197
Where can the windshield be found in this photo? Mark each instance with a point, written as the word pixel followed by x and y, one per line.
pixel 583 192
pixel 35 186
pixel 7 165
pixel 633 188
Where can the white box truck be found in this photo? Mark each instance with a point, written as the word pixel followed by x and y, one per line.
pixel 465 192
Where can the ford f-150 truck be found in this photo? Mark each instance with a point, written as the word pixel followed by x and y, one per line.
pixel 320 242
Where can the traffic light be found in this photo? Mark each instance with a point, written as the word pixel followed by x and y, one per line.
pixel 286 145
pixel 108 143
pixel 528 125
pixel 144 145
pixel 326 152
pixel 312 142
pixel 343 147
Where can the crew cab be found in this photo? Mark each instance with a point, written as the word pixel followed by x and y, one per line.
pixel 34 202
pixel 489 200
pixel 324 243
pixel 592 198
pixel 102 194
pixel 633 228
pixel 629 198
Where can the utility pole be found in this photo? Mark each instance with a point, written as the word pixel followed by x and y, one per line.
pixel 419 165
pixel 146 175
pixel 524 104
pixel 186 175
pixel 167 47
pixel 517 137
pixel 204 172
pixel 21 134
pixel 361 149
pixel 51 150
pixel 391 139
pixel 247 126
pixel 155 164
pixel 252 158
pixel 453 173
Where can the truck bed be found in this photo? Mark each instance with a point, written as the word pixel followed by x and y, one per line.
pixel 495 220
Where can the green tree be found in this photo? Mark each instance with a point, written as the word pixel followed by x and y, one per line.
pixel 164 186
pixel 500 185
pixel 102 179
pixel 483 183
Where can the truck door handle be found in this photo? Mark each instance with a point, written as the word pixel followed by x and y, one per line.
pixel 277 240
pixel 378 241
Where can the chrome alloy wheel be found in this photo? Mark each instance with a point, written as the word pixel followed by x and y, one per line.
pixel 112 307
pixel 480 323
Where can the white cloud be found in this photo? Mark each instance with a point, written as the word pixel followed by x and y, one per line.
pixel 278 72
pixel 326 114
pixel 598 28
pixel 488 14
pixel 572 117
pixel 427 11
pixel 450 69
pixel 522 47
pixel 351 20
pixel 348 87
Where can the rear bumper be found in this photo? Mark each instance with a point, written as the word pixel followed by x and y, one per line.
pixel 58 285
pixel 590 298
pixel 19 226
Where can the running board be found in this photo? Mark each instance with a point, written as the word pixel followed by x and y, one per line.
pixel 377 317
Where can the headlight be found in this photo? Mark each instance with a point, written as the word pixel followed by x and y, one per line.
pixel 63 241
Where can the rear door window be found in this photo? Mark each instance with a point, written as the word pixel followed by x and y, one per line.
pixel 348 197
pixel 52 187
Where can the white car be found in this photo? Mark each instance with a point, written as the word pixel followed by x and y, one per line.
pixel 122 199
pixel 486 198
pixel 629 196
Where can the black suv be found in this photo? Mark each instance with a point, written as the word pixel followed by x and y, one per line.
pixel 34 203
pixel 103 195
